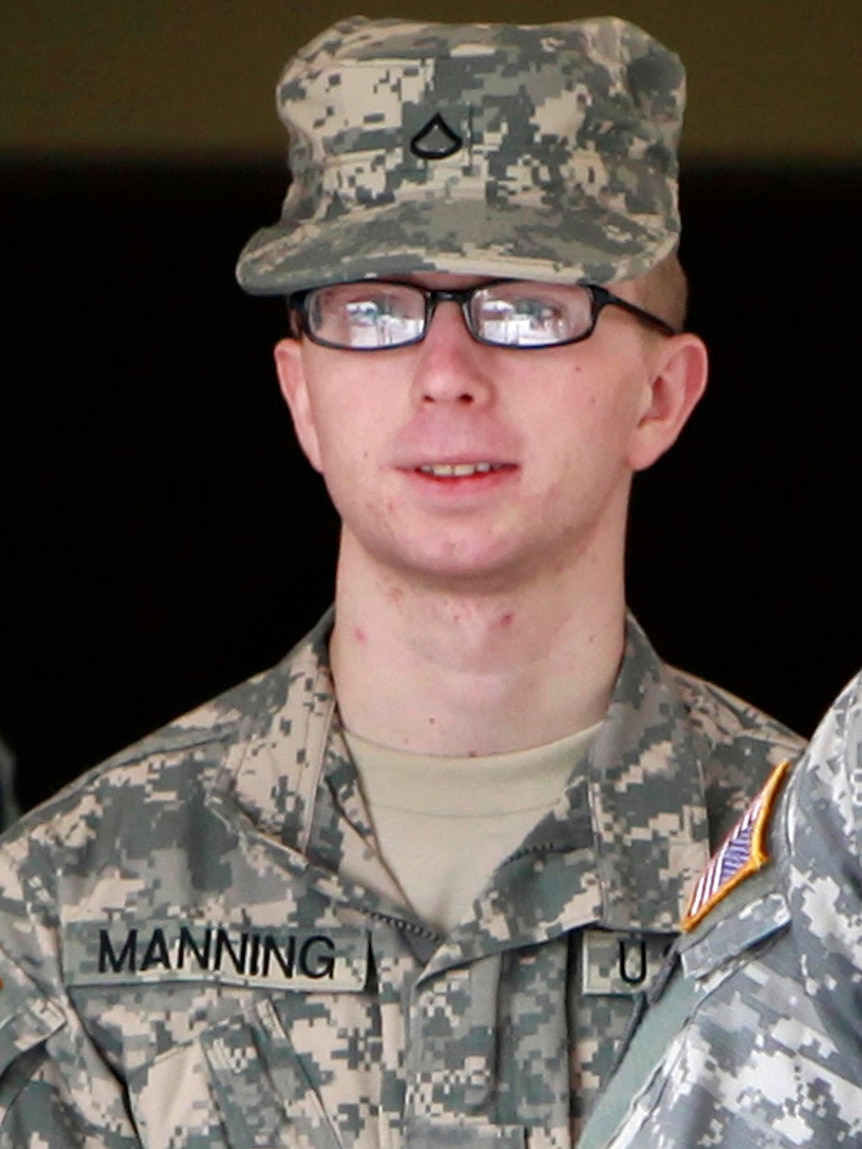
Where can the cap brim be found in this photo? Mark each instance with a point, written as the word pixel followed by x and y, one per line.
pixel 586 244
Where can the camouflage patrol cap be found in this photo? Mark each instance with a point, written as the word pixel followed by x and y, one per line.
pixel 543 152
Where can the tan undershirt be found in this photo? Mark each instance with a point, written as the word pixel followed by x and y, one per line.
pixel 445 824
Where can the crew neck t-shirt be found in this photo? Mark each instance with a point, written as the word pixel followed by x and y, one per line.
pixel 444 824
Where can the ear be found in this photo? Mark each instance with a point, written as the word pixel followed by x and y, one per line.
pixel 292 380
pixel 678 374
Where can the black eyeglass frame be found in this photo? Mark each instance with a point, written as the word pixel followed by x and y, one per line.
pixel 600 298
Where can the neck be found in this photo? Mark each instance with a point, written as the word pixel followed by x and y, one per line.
pixel 460 672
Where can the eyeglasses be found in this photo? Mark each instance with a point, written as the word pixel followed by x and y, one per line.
pixel 377 314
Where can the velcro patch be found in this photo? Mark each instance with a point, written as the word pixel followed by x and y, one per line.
pixel 742 853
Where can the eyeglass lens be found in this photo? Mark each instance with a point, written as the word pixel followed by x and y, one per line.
pixel 375 314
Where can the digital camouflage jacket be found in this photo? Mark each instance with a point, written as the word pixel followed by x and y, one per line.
pixel 202 948
pixel 755 1041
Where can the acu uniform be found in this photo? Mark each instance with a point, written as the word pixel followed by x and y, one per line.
pixel 200 943
pixel 755 1041
pixel 202 947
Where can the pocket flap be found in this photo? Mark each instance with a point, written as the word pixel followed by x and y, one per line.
pixel 431 1135
pixel 264 1095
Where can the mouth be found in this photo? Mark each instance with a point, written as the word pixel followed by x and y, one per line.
pixel 459 470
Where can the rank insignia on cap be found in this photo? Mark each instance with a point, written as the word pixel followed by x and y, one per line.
pixel 436 140
pixel 742 853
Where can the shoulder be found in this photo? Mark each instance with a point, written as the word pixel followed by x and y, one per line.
pixel 725 719
pixel 737 744
pixel 793 864
pixel 150 798
pixel 804 830
pixel 721 724
pixel 169 764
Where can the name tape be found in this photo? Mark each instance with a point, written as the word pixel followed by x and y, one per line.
pixel 621 963
pixel 322 960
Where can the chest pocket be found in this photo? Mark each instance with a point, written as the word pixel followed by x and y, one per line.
pixel 27 1020
pixel 240 1085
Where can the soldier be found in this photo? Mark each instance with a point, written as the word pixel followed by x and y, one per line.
pixel 404 889
pixel 755 1039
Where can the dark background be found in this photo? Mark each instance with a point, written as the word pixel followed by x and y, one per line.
pixel 161 536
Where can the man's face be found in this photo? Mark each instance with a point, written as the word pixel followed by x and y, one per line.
pixel 467 465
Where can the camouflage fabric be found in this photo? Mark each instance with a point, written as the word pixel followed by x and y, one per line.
pixel 532 152
pixel 202 948
pixel 756 1043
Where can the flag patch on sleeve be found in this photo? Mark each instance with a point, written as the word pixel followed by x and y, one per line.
pixel 742 853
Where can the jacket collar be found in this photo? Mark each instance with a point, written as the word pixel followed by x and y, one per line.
pixel 617 850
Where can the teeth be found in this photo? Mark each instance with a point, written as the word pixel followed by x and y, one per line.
pixel 456 470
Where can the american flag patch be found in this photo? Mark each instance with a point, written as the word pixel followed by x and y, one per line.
pixel 743 852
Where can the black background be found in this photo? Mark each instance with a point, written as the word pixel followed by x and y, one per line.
pixel 161 537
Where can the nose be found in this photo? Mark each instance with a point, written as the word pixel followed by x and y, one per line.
pixel 451 366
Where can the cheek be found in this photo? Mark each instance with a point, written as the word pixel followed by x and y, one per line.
pixel 596 422
pixel 348 407
pixel 349 455
pixel 618 411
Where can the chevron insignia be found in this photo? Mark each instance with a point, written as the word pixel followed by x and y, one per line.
pixel 436 140
pixel 742 853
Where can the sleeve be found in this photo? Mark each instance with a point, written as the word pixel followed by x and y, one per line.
pixel 56 1089
pixel 825 849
